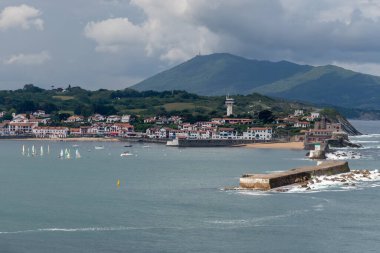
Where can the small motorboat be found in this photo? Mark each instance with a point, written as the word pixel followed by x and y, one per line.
pixel 126 153
pixel 99 147
pixel 128 145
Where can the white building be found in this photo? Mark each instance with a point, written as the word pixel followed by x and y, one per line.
pixel 21 127
pixel 301 124
pixel 314 115
pixel 113 119
pixel 225 133
pixel 75 118
pixel 229 103
pixel 19 117
pixel 96 118
pixel 298 113
pixel 39 113
pixel 125 118
pixel 50 132
pixel 258 133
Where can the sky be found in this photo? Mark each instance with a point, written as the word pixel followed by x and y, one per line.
pixel 114 44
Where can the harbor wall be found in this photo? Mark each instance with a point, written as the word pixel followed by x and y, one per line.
pixel 297 175
pixel 211 142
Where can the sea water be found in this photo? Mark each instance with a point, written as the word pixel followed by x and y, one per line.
pixel 173 200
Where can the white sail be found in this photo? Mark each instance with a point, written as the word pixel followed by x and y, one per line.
pixel 61 154
pixel 77 154
pixel 48 149
pixel 67 153
pixel 23 149
pixel 42 151
pixel 33 151
pixel 28 152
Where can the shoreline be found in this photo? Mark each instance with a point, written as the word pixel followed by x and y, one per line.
pixel 282 145
pixel 79 139
pixel 266 145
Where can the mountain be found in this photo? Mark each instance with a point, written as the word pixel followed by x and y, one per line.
pixel 221 74
pixel 218 74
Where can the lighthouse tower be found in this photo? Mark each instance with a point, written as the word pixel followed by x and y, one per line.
pixel 229 103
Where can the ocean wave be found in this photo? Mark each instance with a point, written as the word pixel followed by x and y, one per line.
pixel 256 221
pixel 359 141
pixel 228 222
pixel 354 180
pixel 84 229
pixel 253 192
pixel 365 136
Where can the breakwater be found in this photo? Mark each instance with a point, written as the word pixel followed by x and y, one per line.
pixel 297 175
pixel 211 142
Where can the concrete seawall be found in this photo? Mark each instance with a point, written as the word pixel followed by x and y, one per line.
pixel 211 142
pixel 297 175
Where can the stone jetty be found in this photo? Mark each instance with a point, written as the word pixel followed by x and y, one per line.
pixel 297 175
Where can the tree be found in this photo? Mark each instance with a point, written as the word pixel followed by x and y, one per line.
pixel 26 106
pixel 63 116
pixel 49 107
pixel 8 116
pixel 32 88
pixel 266 116
pixel 104 109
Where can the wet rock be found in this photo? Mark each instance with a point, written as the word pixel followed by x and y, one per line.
pixel 343 180
pixel 282 190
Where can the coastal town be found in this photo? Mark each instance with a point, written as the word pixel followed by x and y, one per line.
pixel 302 126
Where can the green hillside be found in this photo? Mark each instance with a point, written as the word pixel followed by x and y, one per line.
pixel 329 85
pixel 220 74
pixel 61 102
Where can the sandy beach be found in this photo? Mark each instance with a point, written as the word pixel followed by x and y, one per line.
pixel 69 139
pixel 284 145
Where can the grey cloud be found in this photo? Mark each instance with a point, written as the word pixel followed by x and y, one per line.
pixel 115 43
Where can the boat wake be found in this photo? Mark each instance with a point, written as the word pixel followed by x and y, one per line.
pixel 256 221
pixel 85 229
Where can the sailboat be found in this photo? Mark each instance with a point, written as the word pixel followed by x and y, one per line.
pixel 23 149
pixel 28 152
pixel 118 183
pixel 61 154
pixel 33 150
pixel 48 149
pixel 67 154
pixel 42 151
pixel 77 154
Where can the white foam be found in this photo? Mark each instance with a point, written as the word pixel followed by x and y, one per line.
pixel 256 221
pixel 354 180
pixel 359 141
pixel 85 229
pixel 342 155
pixel 342 182
pixel 233 222
pixel 365 136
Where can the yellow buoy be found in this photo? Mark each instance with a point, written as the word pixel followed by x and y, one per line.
pixel 118 183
